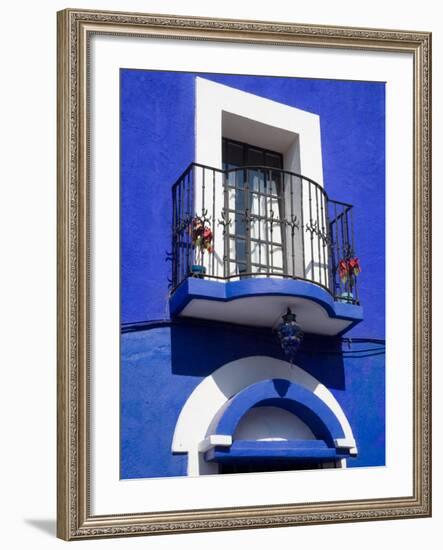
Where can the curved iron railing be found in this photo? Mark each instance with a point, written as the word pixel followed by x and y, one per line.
pixel 257 221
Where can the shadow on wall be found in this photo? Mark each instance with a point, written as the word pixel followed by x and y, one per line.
pixel 322 356
pixel 198 348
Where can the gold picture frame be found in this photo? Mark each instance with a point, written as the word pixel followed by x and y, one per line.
pixel 75 28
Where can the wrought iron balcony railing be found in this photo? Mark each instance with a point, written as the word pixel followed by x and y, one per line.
pixel 257 221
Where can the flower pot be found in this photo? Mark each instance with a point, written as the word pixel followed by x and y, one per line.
pixel 347 297
pixel 198 271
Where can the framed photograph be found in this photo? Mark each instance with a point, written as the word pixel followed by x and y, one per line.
pixel 243 274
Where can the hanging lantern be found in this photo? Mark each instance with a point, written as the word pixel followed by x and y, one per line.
pixel 290 334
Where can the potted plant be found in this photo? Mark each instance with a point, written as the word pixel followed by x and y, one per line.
pixel 202 237
pixel 348 270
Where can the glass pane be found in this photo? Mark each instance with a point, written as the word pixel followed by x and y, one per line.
pixel 256 180
pixel 240 225
pixel 254 203
pixel 255 157
pixel 258 252
pixel 241 268
pixel 275 234
pixel 233 154
pixel 273 205
pixel 240 179
pixel 273 159
pixel 240 247
pixel 277 257
pixel 241 200
pixel 273 180
pixel 255 229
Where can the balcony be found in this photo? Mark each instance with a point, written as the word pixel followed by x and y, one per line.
pixel 249 242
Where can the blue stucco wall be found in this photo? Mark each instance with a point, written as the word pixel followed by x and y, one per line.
pixel 161 366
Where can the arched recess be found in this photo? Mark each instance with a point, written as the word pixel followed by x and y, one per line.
pixel 271 424
pixel 305 406
pixel 198 416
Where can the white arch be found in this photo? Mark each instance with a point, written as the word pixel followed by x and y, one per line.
pixel 215 390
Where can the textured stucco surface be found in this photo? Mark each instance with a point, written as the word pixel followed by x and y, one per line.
pixel 161 366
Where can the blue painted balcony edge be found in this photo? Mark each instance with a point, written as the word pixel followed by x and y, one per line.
pixel 194 288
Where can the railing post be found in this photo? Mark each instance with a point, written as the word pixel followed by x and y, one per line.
pixel 330 265
pixel 302 225
pixel 351 216
pixel 247 218
pixel 226 226
pixel 174 237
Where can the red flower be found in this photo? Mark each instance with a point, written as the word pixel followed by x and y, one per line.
pixel 348 268
pixel 201 234
pixel 207 234
pixel 354 266
pixel 343 270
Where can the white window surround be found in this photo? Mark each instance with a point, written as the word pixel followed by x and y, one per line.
pixel 191 432
pixel 223 111
pixel 228 112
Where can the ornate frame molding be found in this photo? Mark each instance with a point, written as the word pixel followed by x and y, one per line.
pixel 74 29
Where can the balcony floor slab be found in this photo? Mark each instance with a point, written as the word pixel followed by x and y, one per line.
pixel 262 301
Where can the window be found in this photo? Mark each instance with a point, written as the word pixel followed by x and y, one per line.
pixel 256 206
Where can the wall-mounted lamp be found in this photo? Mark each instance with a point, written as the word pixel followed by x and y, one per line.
pixel 290 334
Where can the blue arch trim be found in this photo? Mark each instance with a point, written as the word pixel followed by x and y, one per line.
pixel 283 394
pixel 193 288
